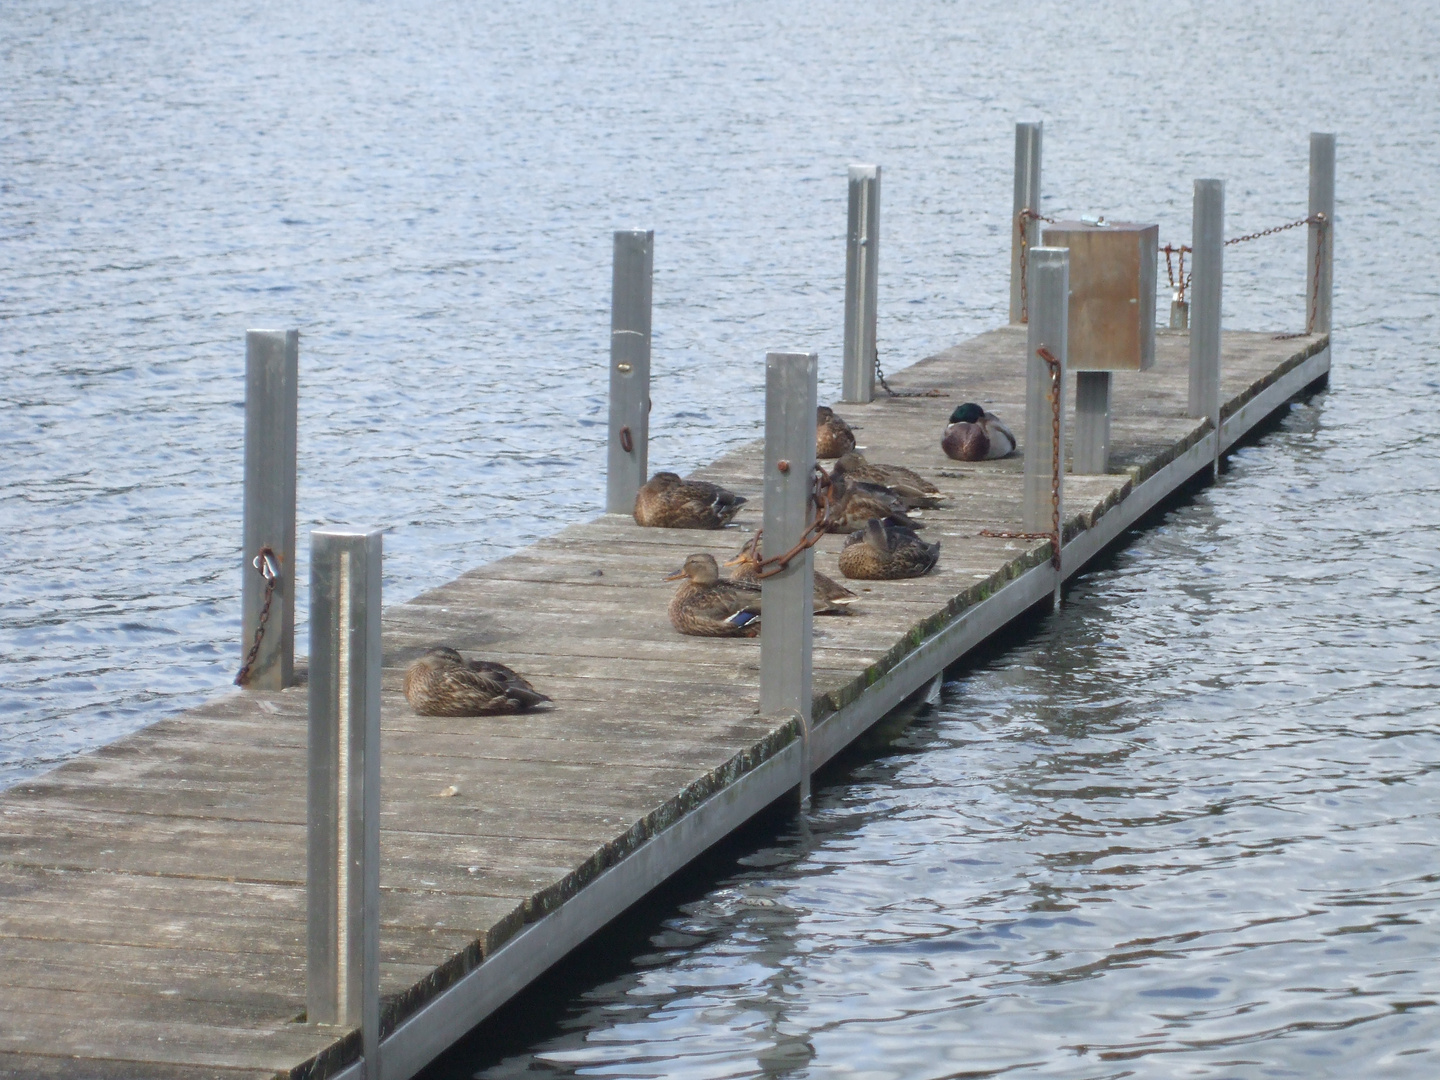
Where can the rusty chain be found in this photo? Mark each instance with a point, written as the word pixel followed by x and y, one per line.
pixel 820 495
pixel 1024 237
pixel 1181 283
pixel 268 563
pixel 880 377
pixel 1054 534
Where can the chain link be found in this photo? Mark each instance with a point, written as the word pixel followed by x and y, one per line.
pixel 269 566
pixel 1024 238
pixel 880 377
pixel 820 496
pixel 1054 534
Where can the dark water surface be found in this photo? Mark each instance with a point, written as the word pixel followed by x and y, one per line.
pixel 1187 828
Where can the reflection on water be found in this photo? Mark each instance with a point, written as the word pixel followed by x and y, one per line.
pixel 1187 828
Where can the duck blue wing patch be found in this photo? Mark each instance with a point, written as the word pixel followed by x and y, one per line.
pixel 742 618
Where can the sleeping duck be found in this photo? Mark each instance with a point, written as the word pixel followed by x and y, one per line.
pixel 444 683
pixel 833 436
pixel 909 485
pixel 705 605
pixel 884 550
pixel 853 503
pixel 831 598
pixel 976 435
pixel 667 502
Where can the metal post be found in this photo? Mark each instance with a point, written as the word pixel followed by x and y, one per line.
pixel 1091 453
pixel 629 369
pixel 862 263
pixel 272 364
pixel 1318 294
pixel 1027 197
pixel 1179 314
pixel 1208 230
pixel 1044 494
pixel 787 598
pixel 343 857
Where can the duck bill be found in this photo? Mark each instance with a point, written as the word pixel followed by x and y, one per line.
pixel 676 576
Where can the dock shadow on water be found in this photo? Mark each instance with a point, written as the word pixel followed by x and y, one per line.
pixel 1154 835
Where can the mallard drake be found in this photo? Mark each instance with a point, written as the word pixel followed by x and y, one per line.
pixel 667 502
pixel 831 598
pixel 853 503
pixel 444 683
pixel 705 605
pixel 976 435
pixel 909 485
pixel 833 436
pixel 884 549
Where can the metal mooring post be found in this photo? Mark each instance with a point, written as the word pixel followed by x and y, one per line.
pixel 1208 231
pixel 1027 197
pixel 788 598
pixel 267 587
pixel 1044 493
pixel 629 369
pixel 1091 452
pixel 862 263
pixel 1318 293
pixel 343 813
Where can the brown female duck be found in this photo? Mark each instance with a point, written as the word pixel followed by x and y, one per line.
pixel 913 488
pixel 444 683
pixel 831 598
pixel 833 436
pixel 853 503
pixel 976 435
pixel 667 502
pixel 884 550
pixel 705 605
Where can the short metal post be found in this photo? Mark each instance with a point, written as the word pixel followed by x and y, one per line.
pixel 629 369
pixel 1179 314
pixel 1027 197
pixel 1044 492
pixel 1207 284
pixel 343 850
pixel 862 263
pixel 1318 294
pixel 272 364
pixel 787 598
pixel 1091 454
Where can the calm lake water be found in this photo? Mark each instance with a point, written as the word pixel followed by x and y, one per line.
pixel 1186 828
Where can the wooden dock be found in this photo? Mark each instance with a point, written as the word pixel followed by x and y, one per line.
pixel 152 895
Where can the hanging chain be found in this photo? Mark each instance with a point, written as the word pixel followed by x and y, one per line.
pixel 269 566
pixel 1054 534
pixel 880 377
pixel 1180 283
pixel 820 496
pixel 1023 236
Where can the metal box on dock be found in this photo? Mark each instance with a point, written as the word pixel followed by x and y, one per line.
pixel 1112 293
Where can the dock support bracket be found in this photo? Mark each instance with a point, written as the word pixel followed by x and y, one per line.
pixel 862 263
pixel 1027 197
pixel 788 598
pixel 1091 453
pixel 343 798
pixel 630 306
pixel 272 364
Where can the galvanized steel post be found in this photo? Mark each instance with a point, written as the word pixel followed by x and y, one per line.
pixel 1091 453
pixel 787 598
pixel 272 364
pixel 862 263
pixel 629 369
pixel 343 809
pixel 1208 230
pixel 1044 492
pixel 1027 197
pixel 1318 294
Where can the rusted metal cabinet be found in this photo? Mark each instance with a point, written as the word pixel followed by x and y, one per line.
pixel 1112 293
